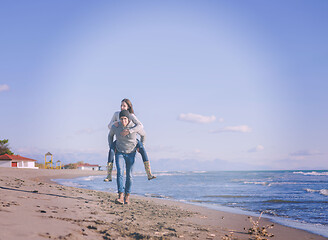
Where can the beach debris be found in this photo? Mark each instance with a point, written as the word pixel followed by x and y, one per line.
pixel 45 235
pixel 210 236
pixel 258 232
pixel 92 227
pixel 171 229
pixel 8 204
pixel 228 236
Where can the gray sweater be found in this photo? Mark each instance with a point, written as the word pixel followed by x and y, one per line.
pixel 128 143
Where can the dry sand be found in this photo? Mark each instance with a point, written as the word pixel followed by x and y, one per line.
pixel 34 207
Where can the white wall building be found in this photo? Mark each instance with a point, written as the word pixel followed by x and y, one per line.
pixel 16 161
pixel 87 166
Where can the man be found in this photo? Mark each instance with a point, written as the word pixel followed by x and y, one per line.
pixel 125 151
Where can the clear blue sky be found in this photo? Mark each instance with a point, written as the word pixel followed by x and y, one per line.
pixel 218 85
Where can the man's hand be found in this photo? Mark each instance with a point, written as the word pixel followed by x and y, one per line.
pixel 138 150
pixel 116 124
pixel 125 132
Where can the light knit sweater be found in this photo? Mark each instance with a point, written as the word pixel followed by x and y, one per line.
pixel 137 127
pixel 128 143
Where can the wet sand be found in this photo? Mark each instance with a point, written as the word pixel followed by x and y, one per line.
pixel 34 207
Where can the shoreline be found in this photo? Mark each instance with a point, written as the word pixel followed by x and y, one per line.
pixel 34 207
pixel 317 229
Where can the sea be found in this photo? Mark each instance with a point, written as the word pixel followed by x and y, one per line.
pixel 297 199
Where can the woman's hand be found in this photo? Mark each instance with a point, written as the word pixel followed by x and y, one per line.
pixel 125 132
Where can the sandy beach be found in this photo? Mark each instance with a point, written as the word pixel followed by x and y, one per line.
pixel 34 207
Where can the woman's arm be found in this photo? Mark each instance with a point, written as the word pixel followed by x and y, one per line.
pixel 115 119
pixel 110 137
pixel 138 125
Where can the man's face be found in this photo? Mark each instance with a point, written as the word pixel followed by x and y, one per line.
pixel 124 121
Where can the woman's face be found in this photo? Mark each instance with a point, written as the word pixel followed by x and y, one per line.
pixel 124 106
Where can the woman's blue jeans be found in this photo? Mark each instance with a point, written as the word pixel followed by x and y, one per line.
pixel 127 159
pixel 141 147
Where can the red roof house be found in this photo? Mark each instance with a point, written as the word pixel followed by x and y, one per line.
pixel 87 166
pixel 17 161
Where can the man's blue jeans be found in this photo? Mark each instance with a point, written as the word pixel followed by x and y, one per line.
pixel 127 159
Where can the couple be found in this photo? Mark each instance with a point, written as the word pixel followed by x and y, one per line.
pixel 125 127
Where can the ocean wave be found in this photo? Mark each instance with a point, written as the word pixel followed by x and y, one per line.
pixel 313 173
pixel 286 183
pixel 269 184
pixel 281 201
pixel 226 196
pixel 201 201
pixel 257 183
pixel 321 191
pixel 154 195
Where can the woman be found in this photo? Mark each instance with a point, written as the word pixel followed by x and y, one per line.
pixel 138 127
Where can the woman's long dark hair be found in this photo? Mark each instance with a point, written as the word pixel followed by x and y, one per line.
pixel 129 103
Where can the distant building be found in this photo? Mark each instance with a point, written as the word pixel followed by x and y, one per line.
pixel 87 166
pixel 16 161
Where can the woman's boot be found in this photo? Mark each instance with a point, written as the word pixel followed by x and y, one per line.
pixel 148 171
pixel 109 172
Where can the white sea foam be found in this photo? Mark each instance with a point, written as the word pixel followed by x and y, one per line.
pixel 271 183
pixel 313 173
pixel 165 173
pixel 285 183
pixel 70 184
pixel 157 195
pixel 321 191
pixel 91 178
pixel 324 192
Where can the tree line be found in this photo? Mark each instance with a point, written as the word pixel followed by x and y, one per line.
pixel 4 147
